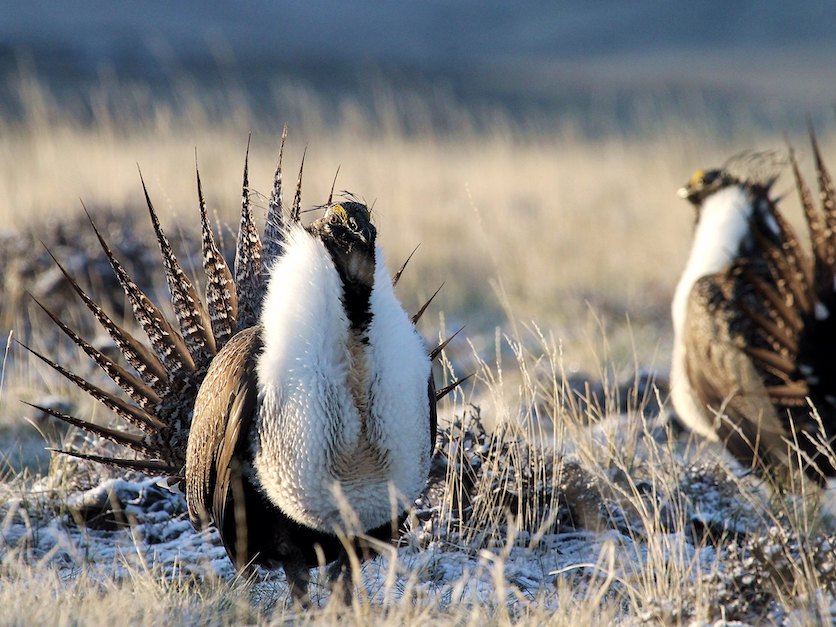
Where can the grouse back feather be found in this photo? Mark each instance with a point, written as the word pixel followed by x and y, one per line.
pixel 752 362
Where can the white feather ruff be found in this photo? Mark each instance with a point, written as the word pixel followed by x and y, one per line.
pixel 312 455
pixel 724 222
pixel 400 369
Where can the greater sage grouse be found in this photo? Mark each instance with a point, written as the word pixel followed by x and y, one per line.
pixel 755 322
pixel 297 408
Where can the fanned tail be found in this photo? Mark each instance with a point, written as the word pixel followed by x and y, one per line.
pixel 160 380
pixel 797 317
pixel 132 441
pixel 397 276
pixel 192 317
pixel 140 392
pixel 296 209
pixel 827 198
pixel 168 374
pixel 818 340
pixel 166 342
pixel 221 293
pixel 148 466
pixel 816 226
pixel 274 227
pixel 132 414
pixel 417 315
pixel 137 355
pixel 248 277
pixel 440 394
pixel 435 352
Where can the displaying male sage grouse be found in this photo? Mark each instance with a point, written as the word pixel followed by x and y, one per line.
pixel 755 323
pixel 301 393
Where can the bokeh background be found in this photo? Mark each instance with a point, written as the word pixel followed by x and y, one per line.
pixel 598 61
pixel 533 150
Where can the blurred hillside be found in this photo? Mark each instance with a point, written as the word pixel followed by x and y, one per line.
pixel 600 63
pixel 484 132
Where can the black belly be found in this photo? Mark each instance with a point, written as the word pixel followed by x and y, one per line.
pixel 262 534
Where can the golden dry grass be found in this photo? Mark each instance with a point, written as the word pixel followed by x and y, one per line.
pixel 527 224
pixel 652 572
pixel 584 236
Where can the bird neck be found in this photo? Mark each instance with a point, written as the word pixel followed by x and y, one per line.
pixel 356 271
pixel 722 235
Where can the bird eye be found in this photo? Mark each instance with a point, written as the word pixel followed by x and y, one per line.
pixel 713 176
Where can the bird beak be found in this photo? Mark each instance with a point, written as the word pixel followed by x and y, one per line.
pixel 683 192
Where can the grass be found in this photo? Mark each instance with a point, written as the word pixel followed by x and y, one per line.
pixel 578 504
pixel 544 225
pixel 592 520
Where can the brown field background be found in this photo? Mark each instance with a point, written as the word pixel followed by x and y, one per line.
pixel 545 236
pixel 583 236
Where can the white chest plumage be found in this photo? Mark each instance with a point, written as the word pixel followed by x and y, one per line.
pixel 724 222
pixel 343 420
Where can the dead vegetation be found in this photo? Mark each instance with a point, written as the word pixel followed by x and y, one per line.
pixel 560 492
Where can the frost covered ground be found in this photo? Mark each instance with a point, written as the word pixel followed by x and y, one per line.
pixel 581 501
pixel 507 530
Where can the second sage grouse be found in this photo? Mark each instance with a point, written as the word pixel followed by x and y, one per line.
pixel 754 319
pixel 298 408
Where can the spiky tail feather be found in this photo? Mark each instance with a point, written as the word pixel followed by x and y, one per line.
pixel 169 373
pixel 800 319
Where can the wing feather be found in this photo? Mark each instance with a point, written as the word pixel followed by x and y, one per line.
pixel 224 411
pixel 726 381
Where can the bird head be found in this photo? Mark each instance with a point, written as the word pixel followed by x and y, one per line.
pixel 756 171
pixel 349 235
pixel 703 183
